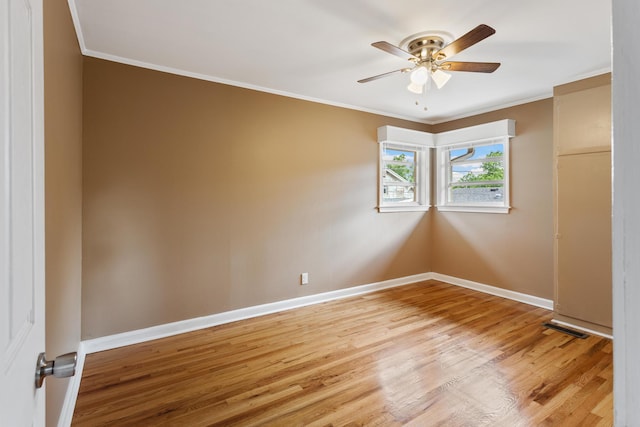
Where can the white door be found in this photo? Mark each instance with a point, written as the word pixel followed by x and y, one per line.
pixel 21 212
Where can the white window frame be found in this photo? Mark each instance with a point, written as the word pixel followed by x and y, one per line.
pixel 501 130
pixel 444 168
pixel 422 173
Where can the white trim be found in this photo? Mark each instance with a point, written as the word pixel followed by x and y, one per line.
pixel 199 76
pixel 498 129
pixel 581 328
pixel 412 208
pixel 423 175
pixel 76 24
pixel 175 328
pixel 169 329
pixel 476 134
pixel 582 76
pixel 405 136
pixel 546 94
pixel 444 166
pixel 501 105
pixel 488 289
pixel 71 396
pixel 161 331
pixel 150 66
pixel 626 213
pixel 476 209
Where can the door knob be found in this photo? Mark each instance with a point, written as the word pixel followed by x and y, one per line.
pixel 61 367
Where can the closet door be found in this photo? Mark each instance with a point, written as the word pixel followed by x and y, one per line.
pixel 584 237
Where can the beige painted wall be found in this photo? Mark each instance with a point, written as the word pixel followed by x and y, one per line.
pixel 513 251
pixel 200 198
pixel 63 191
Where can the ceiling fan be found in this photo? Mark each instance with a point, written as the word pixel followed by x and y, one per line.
pixel 430 55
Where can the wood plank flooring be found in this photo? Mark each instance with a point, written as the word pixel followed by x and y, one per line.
pixel 427 354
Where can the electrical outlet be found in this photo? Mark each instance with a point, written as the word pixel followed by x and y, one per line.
pixel 304 279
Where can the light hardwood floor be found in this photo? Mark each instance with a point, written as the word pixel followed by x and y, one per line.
pixel 426 354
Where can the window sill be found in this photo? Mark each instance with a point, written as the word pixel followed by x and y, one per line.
pixel 415 208
pixel 477 209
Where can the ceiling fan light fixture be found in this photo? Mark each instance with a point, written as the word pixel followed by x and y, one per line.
pixel 415 88
pixel 419 76
pixel 440 78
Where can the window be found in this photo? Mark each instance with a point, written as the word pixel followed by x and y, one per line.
pixel 472 168
pixel 475 176
pixel 403 177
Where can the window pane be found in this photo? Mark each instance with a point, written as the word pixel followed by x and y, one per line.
pixel 476 194
pixel 479 171
pixel 395 174
pixel 398 194
pixel 399 166
pixel 473 174
pixel 403 179
pixel 476 153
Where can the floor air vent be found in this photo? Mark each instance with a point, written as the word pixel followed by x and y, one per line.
pixel 567 331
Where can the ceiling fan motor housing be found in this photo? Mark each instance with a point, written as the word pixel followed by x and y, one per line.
pixel 424 47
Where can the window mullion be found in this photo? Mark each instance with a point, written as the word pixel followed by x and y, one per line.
pixel 496 159
pixel 475 183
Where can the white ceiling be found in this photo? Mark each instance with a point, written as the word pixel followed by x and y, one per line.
pixel 318 49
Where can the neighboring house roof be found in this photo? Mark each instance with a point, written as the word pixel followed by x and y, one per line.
pixel 394 175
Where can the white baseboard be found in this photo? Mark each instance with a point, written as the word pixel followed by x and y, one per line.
pixel 69 404
pixel 169 329
pixel 161 331
pixel 582 328
pixel 487 289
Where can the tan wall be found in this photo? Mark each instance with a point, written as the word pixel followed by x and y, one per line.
pixel 513 251
pixel 201 198
pixel 582 122
pixel 63 191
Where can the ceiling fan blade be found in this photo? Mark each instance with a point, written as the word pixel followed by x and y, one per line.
pixel 394 50
pixel 479 33
pixel 475 67
pixel 379 76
